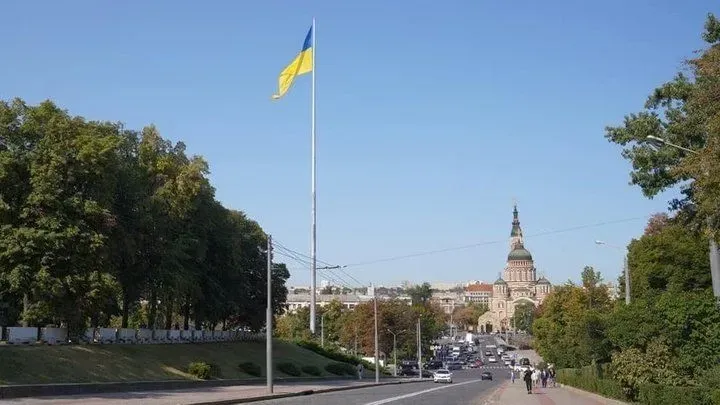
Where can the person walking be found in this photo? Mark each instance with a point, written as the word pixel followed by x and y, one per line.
pixel 360 371
pixel 512 376
pixel 527 376
pixel 544 378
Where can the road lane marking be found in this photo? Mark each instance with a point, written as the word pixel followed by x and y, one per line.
pixel 414 394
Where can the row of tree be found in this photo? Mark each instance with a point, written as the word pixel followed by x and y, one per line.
pixel 101 225
pixel 670 333
pixel 354 329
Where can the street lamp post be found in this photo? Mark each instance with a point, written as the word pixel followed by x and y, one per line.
pixel 377 359
pixel 419 349
pixel 714 253
pixel 626 270
pixel 395 350
pixel 322 330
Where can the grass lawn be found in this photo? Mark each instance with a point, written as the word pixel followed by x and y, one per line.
pixel 108 363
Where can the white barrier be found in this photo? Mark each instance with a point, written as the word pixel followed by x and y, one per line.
pixel 160 336
pixel 144 336
pixel 127 335
pixel 106 335
pixel 21 335
pixel 53 336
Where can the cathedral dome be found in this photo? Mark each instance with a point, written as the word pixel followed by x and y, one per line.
pixel 500 281
pixel 543 280
pixel 519 253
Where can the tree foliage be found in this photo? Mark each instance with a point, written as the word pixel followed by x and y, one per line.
pixel 100 226
pixel 466 316
pixel 686 112
pixel 524 316
pixel 671 258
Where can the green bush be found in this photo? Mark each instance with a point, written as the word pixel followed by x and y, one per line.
pixel 312 370
pixel 656 394
pixel 202 370
pixel 340 369
pixel 250 368
pixel 334 354
pixel 591 379
pixel 290 369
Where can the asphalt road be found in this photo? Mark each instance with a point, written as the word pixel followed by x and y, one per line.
pixel 466 389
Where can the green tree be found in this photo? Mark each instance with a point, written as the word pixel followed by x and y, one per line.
pixel 420 294
pixel 523 317
pixel 684 111
pixel 100 225
pixel 673 258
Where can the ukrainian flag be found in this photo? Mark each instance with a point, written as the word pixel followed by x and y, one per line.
pixel 303 63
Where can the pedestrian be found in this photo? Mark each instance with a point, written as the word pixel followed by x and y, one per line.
pixel 544 377
pixel 360 371
pixel 527 376
pixel 535 377
pixel 512 376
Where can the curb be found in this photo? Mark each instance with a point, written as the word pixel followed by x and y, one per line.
pixel 45 390
pixel 592 395
pixel 301 393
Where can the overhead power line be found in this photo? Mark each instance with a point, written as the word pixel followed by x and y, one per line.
pixel 474 245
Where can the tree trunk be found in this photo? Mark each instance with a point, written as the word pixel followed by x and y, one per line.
pixel 152 314
pixel 26 309
pixel 186 314
pixel 168 312
pixel 125 310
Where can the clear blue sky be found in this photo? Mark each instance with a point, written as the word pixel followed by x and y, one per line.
pixel 431 118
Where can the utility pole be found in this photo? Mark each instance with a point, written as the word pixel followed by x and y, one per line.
pixel 626 271
pixel 322 330
pixel 395 350
pixel 419 349
pixel 377 355
pixel 269 319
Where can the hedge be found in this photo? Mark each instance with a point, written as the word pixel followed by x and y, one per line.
pixel 203 370
pixel 656 394
pixel 589 379
pixel 290 369
pixel 250 368
pixel 334 354
pixel 597 379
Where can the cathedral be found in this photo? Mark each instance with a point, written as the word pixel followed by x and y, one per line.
pixel 518 284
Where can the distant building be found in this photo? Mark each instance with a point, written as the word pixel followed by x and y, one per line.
pixel 478 292
pixel 613 290
pixel 519 284
pixel 448 301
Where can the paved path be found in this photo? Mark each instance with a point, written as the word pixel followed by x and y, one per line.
pixel 181 396
pixel 515 393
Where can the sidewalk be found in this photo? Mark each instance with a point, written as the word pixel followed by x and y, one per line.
pixel 193 396
pixel 516 393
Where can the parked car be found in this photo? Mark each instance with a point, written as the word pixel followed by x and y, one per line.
pixel 442 375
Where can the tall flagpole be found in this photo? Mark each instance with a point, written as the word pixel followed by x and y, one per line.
pixel 313 237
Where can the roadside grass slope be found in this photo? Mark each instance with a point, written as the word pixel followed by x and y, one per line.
pixel 115 363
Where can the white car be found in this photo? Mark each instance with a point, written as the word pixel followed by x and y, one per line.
pixel 442 375
pixel 492 360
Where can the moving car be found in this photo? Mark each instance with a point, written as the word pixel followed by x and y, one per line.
pixel 442 375
pixel 486 376
pixel 492 360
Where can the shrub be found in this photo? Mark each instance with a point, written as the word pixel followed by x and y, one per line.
pixel 340 369
pixel 656 394
pixel 312 370
pixel 250 368
pixel 335 355
pixel 290 369
pixel 589 379
pixel 202 370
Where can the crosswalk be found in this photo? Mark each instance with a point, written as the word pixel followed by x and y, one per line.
pixel 498 367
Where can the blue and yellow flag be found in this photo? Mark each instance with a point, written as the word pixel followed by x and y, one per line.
pixel 303 63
